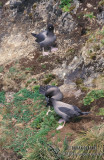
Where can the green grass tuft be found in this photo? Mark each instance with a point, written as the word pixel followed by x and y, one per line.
pixel 93 95
pixel 90 15
pixel 65 5
pixel 1 69
pixel 101 112
pixel 12 70
pixel 2 97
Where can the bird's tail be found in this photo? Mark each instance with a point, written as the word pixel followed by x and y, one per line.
pixel 43 89
pixel 33 34
pixel 85 113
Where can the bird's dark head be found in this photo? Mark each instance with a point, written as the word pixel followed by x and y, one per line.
pixel 49 101
pixel 50 27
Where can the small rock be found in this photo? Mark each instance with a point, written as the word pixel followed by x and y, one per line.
pixel 7 4
pixel 77 93
pixel 9 96
pixel 68 90
pixel 89 5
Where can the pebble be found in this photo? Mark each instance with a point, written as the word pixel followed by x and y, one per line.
pixel 89 5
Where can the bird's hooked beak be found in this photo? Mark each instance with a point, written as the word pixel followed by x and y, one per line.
pixel 47 100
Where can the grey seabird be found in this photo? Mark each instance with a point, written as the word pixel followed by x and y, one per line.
pixel 66 111
pixel 46 38
pixel 51 92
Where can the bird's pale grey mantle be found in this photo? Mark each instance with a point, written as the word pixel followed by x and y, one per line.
pixel 46 38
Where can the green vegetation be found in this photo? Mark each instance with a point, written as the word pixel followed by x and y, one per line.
pixel 1 3
pixel 90 15
pixel 80 84
pixel 93 95
pixel 28 69
pixel 54 83
pixel 43 66
pixel 43 151
pixel 65 5
pixel 101 32
pixel 31 80
pixel 101 112
pixel 101 3
pixel 2 97
pixel 31 15
pixel 79 81
pixel 65 144
pixel 102 41
pixel 12 70
pixel 25 123
pixel 49 77
pixel 1 69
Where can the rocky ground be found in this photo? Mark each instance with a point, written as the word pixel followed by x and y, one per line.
pixel 78 65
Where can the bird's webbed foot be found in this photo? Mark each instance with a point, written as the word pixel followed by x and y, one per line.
pixel 45 53
pixel 61 126
pixel 53 49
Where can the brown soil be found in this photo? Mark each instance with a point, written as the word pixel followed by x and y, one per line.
pixel 36 63
pixel 3 1
pixel 9 155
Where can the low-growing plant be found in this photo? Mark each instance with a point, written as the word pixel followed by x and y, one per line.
pixel 101 3
pixel 2 97
pixel 49 77
pixel 54 83
pixel 65 5
pixel 93 95
pixel 102 41
pixel 43 66
pixel 90 15
pixel 1 3
pixel 31 80
pixel 1 69
pixel 28 69
pixel 101 112
pixel 65 144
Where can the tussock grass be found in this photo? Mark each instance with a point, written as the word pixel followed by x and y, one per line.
pixel 41 151
pixel 92 144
